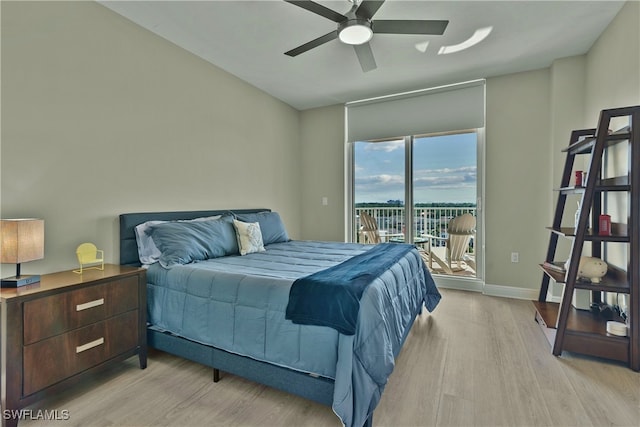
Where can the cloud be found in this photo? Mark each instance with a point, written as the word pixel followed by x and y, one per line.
pixel 433 179
pixel 379 188
pixel 451 182
pixel 380 180
pixel 445 172
pixel 461 169
pixel 464 176
pixel 387 146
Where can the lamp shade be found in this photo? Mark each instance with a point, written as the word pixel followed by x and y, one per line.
pixel 21 240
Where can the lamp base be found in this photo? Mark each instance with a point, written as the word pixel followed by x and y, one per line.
pixel 17 281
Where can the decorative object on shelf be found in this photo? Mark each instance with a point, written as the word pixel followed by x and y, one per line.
pixel 604 222
pixel 21 240
pixel 89 255
pixel 617 328
pixel 590 268
pixel 578 178
pixel 603 310
pixel 558 266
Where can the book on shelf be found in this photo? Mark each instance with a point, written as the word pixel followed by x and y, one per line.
pixel 555 266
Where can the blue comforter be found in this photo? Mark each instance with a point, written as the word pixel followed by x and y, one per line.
pixel 238 304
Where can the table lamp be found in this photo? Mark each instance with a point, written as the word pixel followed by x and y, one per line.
pixel 21 240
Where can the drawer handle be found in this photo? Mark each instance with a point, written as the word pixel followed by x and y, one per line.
pixel 89 345
pixel 90 304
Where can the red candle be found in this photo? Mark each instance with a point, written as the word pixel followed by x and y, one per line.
pixel 578 178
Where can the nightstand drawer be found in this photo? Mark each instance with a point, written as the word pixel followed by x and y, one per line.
pixel 53 315
pixel 62 356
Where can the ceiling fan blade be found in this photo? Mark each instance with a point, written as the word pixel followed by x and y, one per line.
pixel 435 28
pixel 368 8
pixel 365 56
pixel 313 43
pixel 319 9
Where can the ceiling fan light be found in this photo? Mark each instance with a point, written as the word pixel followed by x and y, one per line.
pixel 355 34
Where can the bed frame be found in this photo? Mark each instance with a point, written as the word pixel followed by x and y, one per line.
pixel 318 389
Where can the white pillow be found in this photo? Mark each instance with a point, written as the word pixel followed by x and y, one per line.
pixel 249 237
pixel 148 252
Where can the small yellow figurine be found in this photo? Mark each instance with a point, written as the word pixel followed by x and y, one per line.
pixel 88 254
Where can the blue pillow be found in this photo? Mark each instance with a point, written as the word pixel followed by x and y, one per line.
pixel 185 242
pixel 271 225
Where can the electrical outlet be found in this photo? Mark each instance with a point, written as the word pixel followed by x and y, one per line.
pixel 515 257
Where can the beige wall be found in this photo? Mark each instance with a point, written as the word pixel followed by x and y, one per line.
pixel 101 117
pixel 567 94
pixel 529 119
pixel 517 177
pixel 608 76
pixel 613 65
pixel 566 108
pixel 613 80
pixel 322 163
pixel 517 192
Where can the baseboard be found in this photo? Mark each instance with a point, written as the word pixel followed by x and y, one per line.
pixel 476 285
pixel 510 292
pixel 458 283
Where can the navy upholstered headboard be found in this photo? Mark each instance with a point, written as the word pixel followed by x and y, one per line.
pixel 128 222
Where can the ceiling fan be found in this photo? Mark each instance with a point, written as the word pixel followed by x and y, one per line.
pixel 356 27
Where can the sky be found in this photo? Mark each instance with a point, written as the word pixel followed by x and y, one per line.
pixel 444 170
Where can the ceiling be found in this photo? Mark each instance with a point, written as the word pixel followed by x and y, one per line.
pixel 249 38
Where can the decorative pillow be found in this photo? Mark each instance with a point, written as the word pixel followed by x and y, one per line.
pixel 185 242
pixel 148 252
pixel 271 226
pixel 249 237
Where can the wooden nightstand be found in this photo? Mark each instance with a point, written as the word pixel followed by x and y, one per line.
pixel 67 325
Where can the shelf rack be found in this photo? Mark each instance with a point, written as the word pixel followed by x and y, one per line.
pixel 584 331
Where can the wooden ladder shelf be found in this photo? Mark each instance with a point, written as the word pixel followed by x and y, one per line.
pixel 607 190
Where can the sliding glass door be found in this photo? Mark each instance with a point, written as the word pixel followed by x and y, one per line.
pixel 380 185
pixel 445 194
pixel 422 184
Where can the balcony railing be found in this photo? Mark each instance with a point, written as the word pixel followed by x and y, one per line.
pixel 426 221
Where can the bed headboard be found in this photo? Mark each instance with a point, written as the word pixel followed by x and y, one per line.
pixel 128 222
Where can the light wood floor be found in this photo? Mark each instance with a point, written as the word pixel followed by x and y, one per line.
pixel 476 361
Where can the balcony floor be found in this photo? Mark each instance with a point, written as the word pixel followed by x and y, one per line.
pixel 436 269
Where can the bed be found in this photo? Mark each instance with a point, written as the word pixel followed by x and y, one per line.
pixel 248 314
